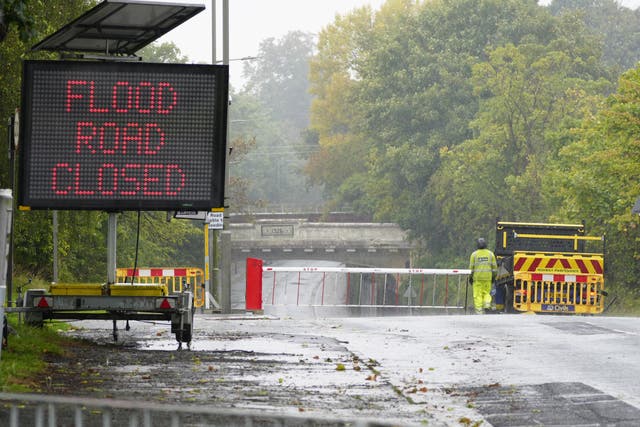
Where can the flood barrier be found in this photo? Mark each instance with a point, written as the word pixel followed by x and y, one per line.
pixel 310 286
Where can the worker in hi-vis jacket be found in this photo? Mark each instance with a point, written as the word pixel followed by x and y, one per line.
pixel 483 268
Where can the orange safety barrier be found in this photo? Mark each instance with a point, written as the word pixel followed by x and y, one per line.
pixel 176 279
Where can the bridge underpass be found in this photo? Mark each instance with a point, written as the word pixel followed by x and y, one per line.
pixel 306 240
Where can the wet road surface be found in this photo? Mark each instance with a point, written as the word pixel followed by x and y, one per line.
pixel 501 370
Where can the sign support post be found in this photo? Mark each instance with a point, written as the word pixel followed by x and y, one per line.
pixel 6 211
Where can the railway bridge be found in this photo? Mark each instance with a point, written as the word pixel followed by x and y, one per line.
pixel 337 237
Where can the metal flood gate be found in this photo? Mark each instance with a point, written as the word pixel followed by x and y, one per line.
pixel 21 410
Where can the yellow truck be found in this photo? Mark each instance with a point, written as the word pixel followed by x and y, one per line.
pixel 549 268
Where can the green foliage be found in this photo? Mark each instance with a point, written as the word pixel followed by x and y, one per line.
pixel 599 173
pixel 270 115
pixel 442 116
pixel 166 52
pixel 23 361
pixel 177 243
pixel 438 113
pixel 615 26
pixel 14 12
pixel 526 92
pixel 278 77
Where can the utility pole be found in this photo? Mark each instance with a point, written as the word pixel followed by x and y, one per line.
pixel 220 242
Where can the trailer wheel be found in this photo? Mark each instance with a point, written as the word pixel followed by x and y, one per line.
pixel 184 335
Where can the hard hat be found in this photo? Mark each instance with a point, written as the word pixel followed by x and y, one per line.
pixel 482 244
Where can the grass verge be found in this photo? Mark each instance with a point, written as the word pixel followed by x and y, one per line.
pixel 23 362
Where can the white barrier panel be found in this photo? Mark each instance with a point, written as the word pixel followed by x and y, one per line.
pixel 311 286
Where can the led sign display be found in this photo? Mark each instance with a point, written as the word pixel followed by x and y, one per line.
pixel 122 136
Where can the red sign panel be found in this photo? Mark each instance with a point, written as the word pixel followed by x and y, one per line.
pixel 122 136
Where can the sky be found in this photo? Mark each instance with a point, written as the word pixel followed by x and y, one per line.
pixel 251 21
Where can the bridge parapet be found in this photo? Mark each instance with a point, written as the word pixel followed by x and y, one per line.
pixel 374 244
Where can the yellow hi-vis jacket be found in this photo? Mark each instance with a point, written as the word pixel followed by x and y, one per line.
pixel 483 266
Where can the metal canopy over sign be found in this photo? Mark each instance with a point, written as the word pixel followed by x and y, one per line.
pixel 123 135
pixel 119 27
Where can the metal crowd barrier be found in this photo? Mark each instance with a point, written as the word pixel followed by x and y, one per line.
pixel 174 277
pixel 21 410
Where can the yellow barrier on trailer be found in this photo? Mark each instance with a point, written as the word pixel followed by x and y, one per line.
pixel 174 278
pixel 148 290
pixel 80 289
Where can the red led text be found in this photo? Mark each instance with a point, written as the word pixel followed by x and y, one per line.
pixel 119 129
pixel 123 97
pixel 135 179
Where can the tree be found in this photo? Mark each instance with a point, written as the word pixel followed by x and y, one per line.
pixel 598 175
pixel 459 108
pixel 14 12
pixel 616 27
pixel 166 52
pixel 272 110
pixel 278 77
pixel 413 97
pixel 340 164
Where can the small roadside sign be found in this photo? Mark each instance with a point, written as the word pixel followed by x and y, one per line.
pixel 215 220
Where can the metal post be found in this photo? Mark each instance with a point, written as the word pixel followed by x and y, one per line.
pixel 55 246
pixel 213 32
pixel 220 263
pixel 211 235
pixel 225 32
pixel 213 262
pixel 207 267
pixel 14 123
pixel 6 210
pixel 225 276
pixel 111 247
pixel 225 237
